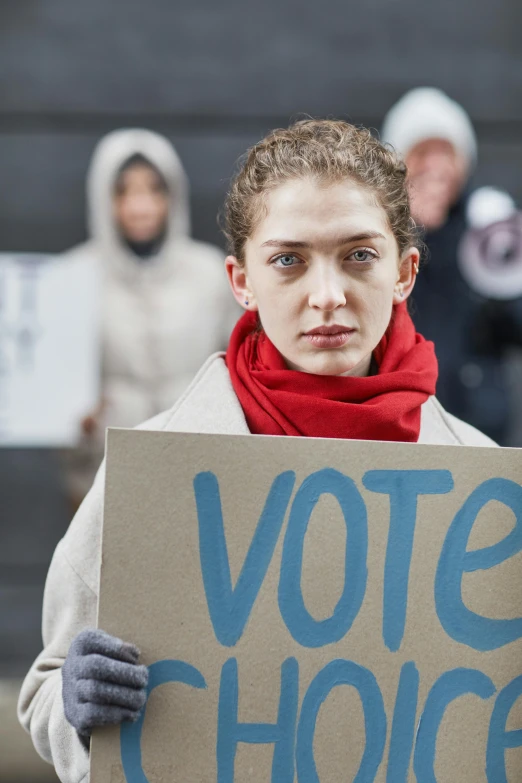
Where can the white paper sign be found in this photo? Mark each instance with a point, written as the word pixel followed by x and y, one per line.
pixel 49 348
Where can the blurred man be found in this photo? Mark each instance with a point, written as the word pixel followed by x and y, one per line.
pixel 166 304
pixel 471 325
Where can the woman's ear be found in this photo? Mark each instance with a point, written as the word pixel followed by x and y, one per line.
pixel 409 266
pixel 238 279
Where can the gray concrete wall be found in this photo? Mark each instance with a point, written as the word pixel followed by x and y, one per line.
pixel 214 77
pixel 19 762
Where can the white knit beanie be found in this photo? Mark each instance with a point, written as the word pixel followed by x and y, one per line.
pixel 428 113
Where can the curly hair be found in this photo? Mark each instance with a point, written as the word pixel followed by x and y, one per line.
pixel 327 151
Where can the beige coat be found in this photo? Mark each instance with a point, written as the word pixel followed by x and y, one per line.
pixel 160 317
pixel 71 593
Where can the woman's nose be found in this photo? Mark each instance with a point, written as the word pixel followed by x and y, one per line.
pixel 143 203
pixel 326 291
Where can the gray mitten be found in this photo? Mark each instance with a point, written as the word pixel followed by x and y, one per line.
pixel 102 682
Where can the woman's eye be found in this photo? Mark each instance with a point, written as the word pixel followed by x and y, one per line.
pixel 286 260
pixel 363 256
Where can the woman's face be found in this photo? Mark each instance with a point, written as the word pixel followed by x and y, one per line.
pixel 323 271
pixel 141 204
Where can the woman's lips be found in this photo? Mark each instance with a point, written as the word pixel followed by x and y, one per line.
pixel 329 336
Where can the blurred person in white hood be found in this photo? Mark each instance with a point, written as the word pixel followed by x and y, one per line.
pixel 165 301
pixel 467 298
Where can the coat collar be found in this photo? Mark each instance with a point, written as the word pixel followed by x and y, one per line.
pixel 210 405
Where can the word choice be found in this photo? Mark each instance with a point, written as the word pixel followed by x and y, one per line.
pixel 293 735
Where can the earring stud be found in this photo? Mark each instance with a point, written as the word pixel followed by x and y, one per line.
pixel 246 301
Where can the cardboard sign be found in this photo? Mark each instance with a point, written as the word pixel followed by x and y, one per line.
pixel 314 610
pixel 49 352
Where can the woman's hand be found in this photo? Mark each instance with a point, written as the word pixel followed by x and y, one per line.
pixel 102 682
pixel 91 422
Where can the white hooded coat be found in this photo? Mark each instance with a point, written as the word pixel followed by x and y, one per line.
pixel 161 316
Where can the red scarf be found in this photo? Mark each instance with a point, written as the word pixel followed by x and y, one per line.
pixel 385 406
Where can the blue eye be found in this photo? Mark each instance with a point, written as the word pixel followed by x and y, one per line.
pixel 286 260
pixel 363 256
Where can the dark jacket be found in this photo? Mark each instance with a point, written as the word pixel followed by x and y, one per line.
pixel 471 333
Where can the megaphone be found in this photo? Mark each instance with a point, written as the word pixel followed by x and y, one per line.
pixel 490 258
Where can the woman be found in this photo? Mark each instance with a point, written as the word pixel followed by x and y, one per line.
pixel 322 259
pixel 154 277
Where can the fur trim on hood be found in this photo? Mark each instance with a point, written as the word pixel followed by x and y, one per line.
pixel 109 155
